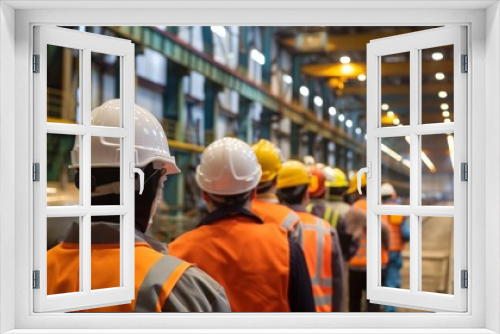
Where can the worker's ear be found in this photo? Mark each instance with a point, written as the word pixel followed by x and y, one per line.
pixel 253 194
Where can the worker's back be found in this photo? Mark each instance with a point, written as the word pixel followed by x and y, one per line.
pixel 270 211
pixel 318 253
pixel 156 275
pixel 248 258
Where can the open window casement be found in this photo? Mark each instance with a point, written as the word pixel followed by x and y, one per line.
pixel 54 139
pixel 419 130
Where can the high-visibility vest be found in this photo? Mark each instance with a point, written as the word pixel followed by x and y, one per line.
pixel 318 254
pixel 280 215
pixel 250 260
pixel 359 258
pixel 326 212
pixel 156 274
pixel 394 225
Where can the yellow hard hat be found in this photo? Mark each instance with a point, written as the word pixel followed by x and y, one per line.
pixel 353 184
pixel 269 159
pixel 293 173
pixel 335 178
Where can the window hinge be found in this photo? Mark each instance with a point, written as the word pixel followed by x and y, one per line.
pixel 36 279
pixel 36 172
pixel 465 279
pixel 36 63
pixel 465 64
pixel 464 171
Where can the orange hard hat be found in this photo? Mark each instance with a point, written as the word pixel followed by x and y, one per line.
pixel 316 188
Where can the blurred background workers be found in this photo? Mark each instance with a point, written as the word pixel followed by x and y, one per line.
pixel 266 204
pixel 259 267
pixel 163 283
pixel 320 249
pixel 399 228
pixel 356 227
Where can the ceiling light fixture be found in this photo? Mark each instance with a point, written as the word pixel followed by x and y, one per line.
pixel 345 59
pixel 437 56
pixel 440 76
pixel 258 56
pixel 442 94
pixel 304 91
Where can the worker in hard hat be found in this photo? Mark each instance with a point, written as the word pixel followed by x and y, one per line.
pixel 318 207
pixel 260 269
pixel 356 227
pixel 399 228
pixel 336 184
pixel 163 283
pixel 317 190
pixel 321 249
pixel 266 204
pixel 309 161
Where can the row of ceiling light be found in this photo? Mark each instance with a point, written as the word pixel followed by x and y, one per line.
pixel 318 101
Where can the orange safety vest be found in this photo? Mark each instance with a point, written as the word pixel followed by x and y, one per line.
pixel 394 225
pixel 318 254
pixel 359 259
pixel 249 259
pixel 280 215
pixel 156 274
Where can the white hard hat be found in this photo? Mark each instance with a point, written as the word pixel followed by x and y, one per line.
pixel 309 160
pixel 150 140
pixel 228 167
pixel 387 190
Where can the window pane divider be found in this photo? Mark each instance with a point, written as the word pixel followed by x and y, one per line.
pixel 80 130
pixel 67 129
pixel 80 211
pixel 406 130
pixel 398 210
pixel 103 131
pixel 109 210
pixel 415 167
pixel 433 211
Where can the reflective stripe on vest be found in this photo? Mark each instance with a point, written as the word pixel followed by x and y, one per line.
pixel 275 213
pixel 321 273
pixel 327 214
pixel 167 269
pixel 335 219
pixel 290 221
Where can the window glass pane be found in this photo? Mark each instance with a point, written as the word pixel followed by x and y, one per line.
pixel 106 255
pixel 395 235
pixel 63 85
pixel 63 256
pixel 61 187
pixel 395 93
pixel 105 81
pixel 106 171
pixel 437 84
pixel 395 171
pixel 437 169
pixel 437 254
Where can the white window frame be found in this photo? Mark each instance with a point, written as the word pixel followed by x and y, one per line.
pixel 85 43
pixel 414 43
pixel 15 169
